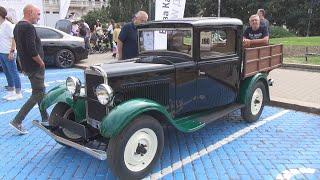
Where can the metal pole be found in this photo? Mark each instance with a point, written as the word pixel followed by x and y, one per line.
pixel 219 2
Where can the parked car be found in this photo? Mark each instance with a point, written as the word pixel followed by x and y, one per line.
pixel 60 48
pixel 195 73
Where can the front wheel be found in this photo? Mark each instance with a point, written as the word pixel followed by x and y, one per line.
pixel 63 111
pixel 255 104
pixel 132 153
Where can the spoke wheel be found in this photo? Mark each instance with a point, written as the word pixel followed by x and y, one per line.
pixel 65 58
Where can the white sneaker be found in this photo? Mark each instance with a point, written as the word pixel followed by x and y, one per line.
pixel 9 94
pixel 14 97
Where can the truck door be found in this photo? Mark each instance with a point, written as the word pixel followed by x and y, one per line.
pixel 218 68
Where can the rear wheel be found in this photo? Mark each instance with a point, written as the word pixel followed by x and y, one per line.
pixel 132 153
pixel 65 58
pixel 255 104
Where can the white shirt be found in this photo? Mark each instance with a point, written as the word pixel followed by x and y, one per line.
pixel 110 29
pixel 6 36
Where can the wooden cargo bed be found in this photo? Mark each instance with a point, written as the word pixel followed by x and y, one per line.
pixel 261 59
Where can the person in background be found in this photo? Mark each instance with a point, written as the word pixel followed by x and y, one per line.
pixel 31 55
pixel 98 28
pixel 127 41
pixel 110 33
pixel 75 29
pixel 8 58
pixel 263 21
pixel 84 32
pixel 116 33
pixel 255 35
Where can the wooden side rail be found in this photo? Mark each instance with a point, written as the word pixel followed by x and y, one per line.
pixel 261 59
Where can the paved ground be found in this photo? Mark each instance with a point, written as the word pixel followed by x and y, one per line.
pixel 299 87
pixel 283 144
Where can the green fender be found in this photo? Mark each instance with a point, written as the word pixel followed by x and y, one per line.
pixel 61 94
pixel 124 113
pixel 247 84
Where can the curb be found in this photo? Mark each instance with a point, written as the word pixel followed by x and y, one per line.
pixel 301 67
pixel 83 67
pixel 295 107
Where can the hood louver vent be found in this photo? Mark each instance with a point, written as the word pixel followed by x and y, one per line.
pixel 154 90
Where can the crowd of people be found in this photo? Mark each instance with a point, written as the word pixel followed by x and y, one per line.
pixel 98 38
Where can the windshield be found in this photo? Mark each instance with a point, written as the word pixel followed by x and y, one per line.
pixel 172 40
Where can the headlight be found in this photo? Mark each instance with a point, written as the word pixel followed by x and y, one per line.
pixel 73 85
pixel 104 93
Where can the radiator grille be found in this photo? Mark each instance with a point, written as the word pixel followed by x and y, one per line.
pixel 92 81
pixel 95 110
pixel 157 91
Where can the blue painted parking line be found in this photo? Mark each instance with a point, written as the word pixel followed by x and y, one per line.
pixel 283 144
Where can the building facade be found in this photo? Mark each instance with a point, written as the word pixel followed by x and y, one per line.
pixel 77 8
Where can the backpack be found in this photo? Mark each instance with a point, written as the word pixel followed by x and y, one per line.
pixel 83 31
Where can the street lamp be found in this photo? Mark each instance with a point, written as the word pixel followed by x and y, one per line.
pixel 219 2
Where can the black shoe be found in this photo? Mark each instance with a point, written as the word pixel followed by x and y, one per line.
pixel 18 127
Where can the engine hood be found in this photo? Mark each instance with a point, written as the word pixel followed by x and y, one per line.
pixel 130 68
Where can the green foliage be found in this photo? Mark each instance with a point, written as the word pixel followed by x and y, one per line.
pixel 123 10
pixel 92 16
pixel 302 60
pixel 297 41
pixel 279 32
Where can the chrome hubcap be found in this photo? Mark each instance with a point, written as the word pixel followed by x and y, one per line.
pixel 140 149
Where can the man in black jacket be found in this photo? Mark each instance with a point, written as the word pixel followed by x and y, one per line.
pixel 31 55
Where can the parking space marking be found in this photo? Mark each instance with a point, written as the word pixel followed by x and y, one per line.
pixel 168 170
pixel 14 110
pixel 289 173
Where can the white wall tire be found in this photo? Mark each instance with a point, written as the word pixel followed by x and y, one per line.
pixel 133 152
pixel 255 102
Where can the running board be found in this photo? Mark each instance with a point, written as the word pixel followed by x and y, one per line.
pixel 220 113
pixel 99 154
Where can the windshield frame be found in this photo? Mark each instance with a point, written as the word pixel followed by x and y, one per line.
pixel 166 51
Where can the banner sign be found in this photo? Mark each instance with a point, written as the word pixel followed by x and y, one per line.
pixel 166 9
pixel 15 9
pixel 64 7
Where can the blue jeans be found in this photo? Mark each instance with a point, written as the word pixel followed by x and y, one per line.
pixel 11 71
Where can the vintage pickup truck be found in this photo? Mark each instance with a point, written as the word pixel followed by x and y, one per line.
pixel 189 72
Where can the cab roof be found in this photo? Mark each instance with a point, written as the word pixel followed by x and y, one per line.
pixel 197 22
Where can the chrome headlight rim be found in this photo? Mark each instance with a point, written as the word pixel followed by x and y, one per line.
pixel 73 85
pixel 104 94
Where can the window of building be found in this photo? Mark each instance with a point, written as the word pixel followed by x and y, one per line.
pixel 217 42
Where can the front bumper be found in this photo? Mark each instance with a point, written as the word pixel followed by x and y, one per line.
pixel 99 154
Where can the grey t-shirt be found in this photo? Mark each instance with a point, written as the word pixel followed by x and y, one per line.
pixel 265 23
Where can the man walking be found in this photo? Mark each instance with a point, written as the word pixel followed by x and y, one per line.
pixel 31 56
pixel 128 42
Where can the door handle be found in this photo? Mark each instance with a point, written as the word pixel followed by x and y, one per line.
pixel 202 73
